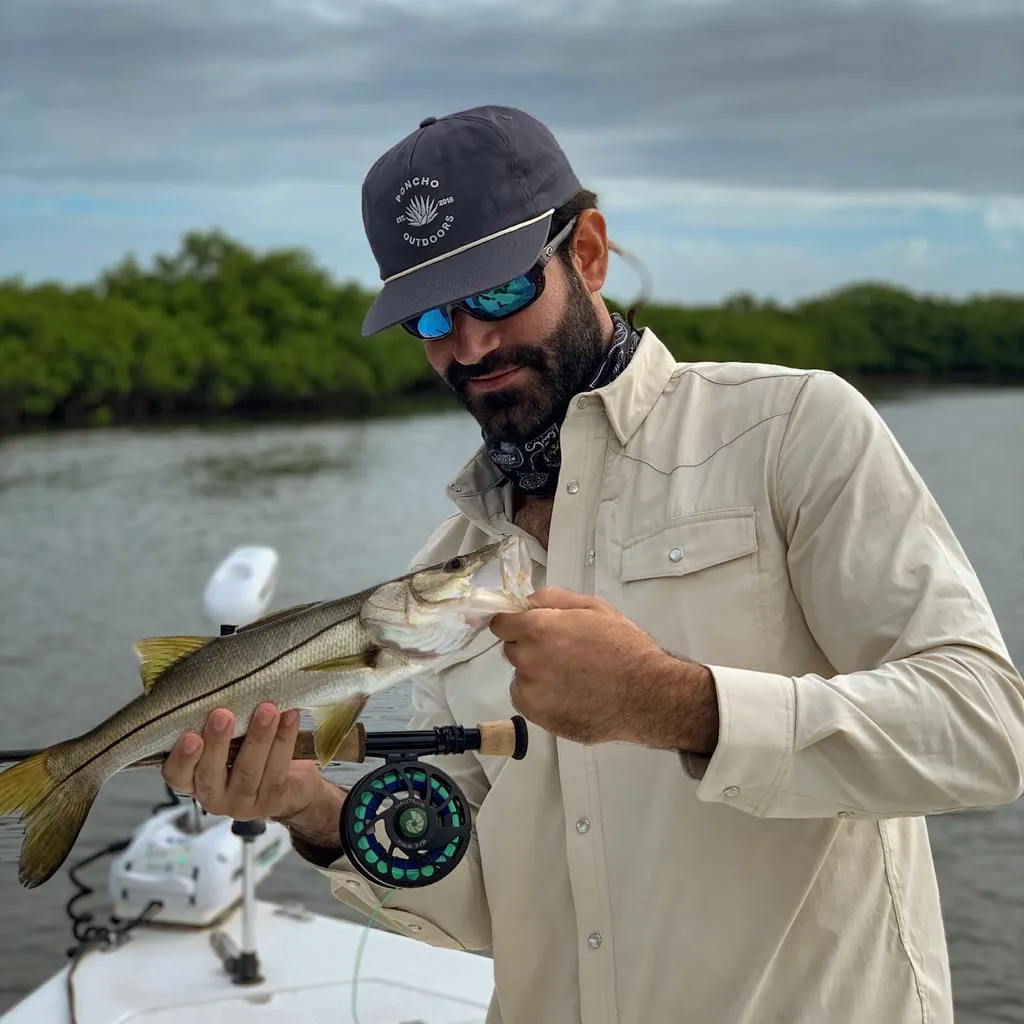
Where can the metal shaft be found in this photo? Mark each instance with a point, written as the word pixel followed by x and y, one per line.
pixel 248 900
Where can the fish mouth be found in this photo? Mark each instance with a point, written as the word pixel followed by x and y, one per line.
pixel 435 628
pixel 503 583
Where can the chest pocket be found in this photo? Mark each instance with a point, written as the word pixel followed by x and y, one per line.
pixel 689 544
pixel 692 582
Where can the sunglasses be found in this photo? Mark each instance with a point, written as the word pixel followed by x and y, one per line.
pixel 493 304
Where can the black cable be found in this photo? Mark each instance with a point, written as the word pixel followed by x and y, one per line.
pixel 90 936
pixel 172 800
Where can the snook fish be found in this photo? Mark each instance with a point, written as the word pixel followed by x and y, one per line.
pixel 327 657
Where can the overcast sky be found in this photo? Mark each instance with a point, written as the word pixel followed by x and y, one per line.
pixel 780 147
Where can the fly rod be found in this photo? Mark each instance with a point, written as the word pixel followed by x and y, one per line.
pixel 505 738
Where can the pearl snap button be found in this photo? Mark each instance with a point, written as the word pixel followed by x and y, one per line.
pixel 675 554
pixel 731 791
pixel 572 486
pixel 594 940
pixel 582 825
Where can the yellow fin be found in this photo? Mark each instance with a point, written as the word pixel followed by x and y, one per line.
pixel 24 784
pixel 274 616
pixel 333 725
pixel 364 659
pixel 53 811
pixel 158 653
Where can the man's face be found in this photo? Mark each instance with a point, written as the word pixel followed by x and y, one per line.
pixel 518 375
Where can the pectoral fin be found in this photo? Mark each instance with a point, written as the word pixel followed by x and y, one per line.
pixel 333 725
pixel 157 654
pixel 364 659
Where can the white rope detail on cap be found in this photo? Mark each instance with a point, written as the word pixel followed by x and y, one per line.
pixel 470 245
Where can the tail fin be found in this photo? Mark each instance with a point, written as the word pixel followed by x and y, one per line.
pixel 53 811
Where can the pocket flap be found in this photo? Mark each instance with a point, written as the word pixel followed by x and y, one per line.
pixel 690 543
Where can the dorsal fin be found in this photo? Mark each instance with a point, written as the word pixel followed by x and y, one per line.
pixel 158 653
pixel 274 616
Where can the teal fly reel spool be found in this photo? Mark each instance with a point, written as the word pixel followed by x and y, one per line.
pixel 408 824
pixel 405 825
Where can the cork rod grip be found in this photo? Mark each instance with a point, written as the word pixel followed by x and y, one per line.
pixel 506 738
pixel 497 738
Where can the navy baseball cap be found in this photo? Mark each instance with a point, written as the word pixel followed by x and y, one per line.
pixel 460 205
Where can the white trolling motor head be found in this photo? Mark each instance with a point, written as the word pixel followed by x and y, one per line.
pixel 241 586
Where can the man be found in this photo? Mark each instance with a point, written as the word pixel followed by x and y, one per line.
pixel 759 656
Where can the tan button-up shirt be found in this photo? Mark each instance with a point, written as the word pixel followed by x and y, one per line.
pixel 763 521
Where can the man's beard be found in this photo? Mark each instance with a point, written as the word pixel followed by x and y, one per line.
pixel 563 363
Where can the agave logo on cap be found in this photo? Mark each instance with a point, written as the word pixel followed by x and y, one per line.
pixel 424 212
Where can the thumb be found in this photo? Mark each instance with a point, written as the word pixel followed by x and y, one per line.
pixel 556 597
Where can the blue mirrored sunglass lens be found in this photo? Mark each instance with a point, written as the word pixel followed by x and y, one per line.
pixel 504 299
pixel 498 302
pixel 433 324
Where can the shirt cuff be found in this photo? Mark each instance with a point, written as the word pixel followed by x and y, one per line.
pixel 352 890
pixel 756 726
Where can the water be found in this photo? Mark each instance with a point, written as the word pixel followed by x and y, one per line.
pixel 109 536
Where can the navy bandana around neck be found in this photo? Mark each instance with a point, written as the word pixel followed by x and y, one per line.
pixel 533 465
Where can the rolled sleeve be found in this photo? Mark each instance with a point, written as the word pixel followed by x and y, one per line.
pixel 450 913
pixel 925 711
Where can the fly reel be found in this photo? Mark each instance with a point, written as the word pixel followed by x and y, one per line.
pixel 407 824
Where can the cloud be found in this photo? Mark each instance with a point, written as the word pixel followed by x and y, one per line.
pixel 777 145
pixel 1005 216
pixel 816 94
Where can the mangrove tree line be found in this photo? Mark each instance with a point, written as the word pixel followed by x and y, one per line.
pixel 219 327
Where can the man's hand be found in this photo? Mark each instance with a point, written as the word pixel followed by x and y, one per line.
pixel 263 781
pixel 587 673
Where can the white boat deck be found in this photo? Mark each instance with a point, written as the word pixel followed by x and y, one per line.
pixel 172 975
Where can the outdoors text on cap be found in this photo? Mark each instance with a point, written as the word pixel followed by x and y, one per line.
pixel 422 210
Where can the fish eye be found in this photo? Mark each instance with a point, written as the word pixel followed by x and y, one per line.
pixel 455 564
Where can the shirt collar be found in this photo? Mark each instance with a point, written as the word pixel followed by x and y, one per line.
pixel 629 399
pixel 477 489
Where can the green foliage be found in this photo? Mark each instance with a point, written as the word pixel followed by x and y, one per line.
pixel 219 327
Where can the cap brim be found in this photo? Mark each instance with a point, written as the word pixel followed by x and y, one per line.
pixel 473 270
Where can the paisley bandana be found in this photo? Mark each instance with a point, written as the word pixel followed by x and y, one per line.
pixel 533 466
